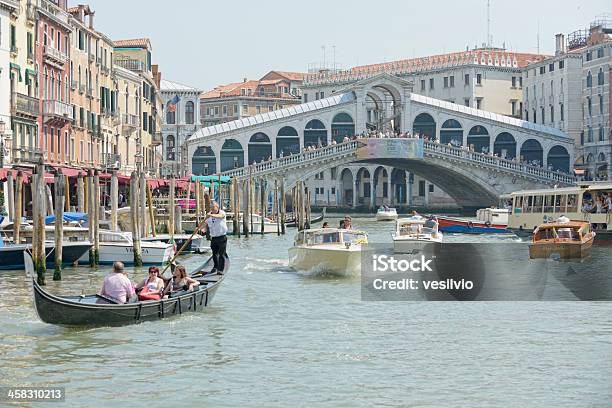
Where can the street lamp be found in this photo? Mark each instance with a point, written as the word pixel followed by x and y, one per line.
pixel 2 129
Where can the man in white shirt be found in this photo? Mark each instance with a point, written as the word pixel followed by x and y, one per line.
pixel 216 226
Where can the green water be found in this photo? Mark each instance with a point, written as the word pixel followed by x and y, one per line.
pixel 278 338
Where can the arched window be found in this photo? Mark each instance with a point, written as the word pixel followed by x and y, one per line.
pixel 589 80
pixel 600 77
pixel 170 148
pixel 170 113
pixel 189 113
pixel 601 158
pixel 601 133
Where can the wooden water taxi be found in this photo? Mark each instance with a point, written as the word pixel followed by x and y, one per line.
pixel 563 238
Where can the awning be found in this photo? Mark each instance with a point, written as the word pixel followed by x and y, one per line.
pixel 579 172
pixel 17 68
pixel 70 171
pixel 68 216
pixel 214 179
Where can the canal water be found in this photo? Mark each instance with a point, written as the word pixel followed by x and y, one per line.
pixel 277 338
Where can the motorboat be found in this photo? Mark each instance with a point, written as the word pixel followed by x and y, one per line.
pixel 493 216
pixel 415 233
pixel 470 226
pixel 386 214
pixel 11 255
pixel 119 246
pixel 563 238
pixel 332 250
pixel 197 244
pixel 292 222
pixel 270 226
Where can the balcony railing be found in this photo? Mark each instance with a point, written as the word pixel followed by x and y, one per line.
pixel 54 109
pixel 131 64
pixel 55 54
pixel 24 105
pixel 53 11
pixel 111 160
pixel 130 120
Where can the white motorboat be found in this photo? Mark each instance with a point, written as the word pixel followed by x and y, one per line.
pixel 198 243
pixel 415 233
pixel 386 214
pixel 118 246
pixel 331 250
pixel 270 226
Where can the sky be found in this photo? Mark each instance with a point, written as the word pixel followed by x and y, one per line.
pixel 207 43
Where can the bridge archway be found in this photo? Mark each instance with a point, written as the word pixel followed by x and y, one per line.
pixel 260 148
pixel 347 185
pixel 451 132
pixel 558 159
pixel 505 146
pixel 315 134
pixel 532 152
pixel 479 139
pixel 342 125
pixel 232 155
pixel 424 124
pixel 287 141
pixel 203 161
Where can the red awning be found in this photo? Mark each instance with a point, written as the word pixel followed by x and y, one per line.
pixel 70 171
pixel 153 183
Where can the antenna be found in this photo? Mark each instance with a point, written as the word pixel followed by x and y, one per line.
pixel 489 23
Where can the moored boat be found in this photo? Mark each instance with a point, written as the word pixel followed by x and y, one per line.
pixel 98 310
pixel 415 233
pixel 197 244
pixel 118 246
pixel 386 214
pixel 563 238
pixel 292 223
pixel 332 250
pixel 11 256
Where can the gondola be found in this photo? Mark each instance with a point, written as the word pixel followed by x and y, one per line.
pixel 97 310
pixel 291 222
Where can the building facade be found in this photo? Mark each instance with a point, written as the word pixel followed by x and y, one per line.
pixel 181 118
pixel 275 90
pixel 7 9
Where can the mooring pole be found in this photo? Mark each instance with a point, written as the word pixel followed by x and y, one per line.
pixel 91 215
pixel 96 205
pixel 38 239
pixel 66 194
pixel 18 207
pixel 283 205
pixel 276 207
pixel 237 211
pixel 114 199
pixel 170 209
pixel 143 206
pixel 81 194
pixel 59 224
pixel 134 219
pixel 246 215
pixel 10 195
pixel 151 213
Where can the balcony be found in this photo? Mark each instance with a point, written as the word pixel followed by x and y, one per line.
pixel 24 106
pixel 55 56
pixel 57 111
pixel 129 121
pixel 156 139
pixel 53 12
pixel 111 161
pixel 131 64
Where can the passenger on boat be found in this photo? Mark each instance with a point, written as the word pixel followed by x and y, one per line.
pixel 152 286
pixel 608 202
pixel 348 222
pixel 325 224
pixel 180 280
pixel 116 285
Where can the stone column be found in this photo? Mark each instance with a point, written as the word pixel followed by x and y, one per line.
pixel 427 183
pixel 355 184
pixel 389 188
pixel 408 192
pixel 372 192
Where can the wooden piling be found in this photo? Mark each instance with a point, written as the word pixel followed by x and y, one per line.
pixel 170 209
pixel 237 211
pixel 307 206
pixel 275 208
pixel 151 213
pixel 143 208
pixel 60 181
pixel 96 224
pixel 134 195
pixel 91 209
pixel 114 199
pixel 198 187
pixel 233 203
pixel 262 203
pixel 283 205
pixel 9 198
pixel 18 207
pixel 246 214
pixel 178 219
pixel 81 194
pixel 66 193
pixel 39 211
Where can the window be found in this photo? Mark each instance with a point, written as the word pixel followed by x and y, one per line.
pixel 513 103
pixel 170 113
pixel 543 115
pixel 552 114
pixel 334 172
pixel 520 82
pixel 445 82
pixel 452 81
pixel 466 79
pixel 542 70
pixel 245 109
pixel 270 108
pixel 421 188
pixel 589 80
pixel 590 135
pixel 145 121
pixel 478 103
pixel 223 109
pixel 431 83
pixel 514 82
pixel 333 190
pixel 316 96
pixel 589 56
pixel 601 133
pixel 526 115
pixel 422 84
pixel 600 77
pixel 561 113
pixel 466 101
pixel 551 67
pixel 552 87
pixel 601 104
pixel 305 98
pixel 561 64
pixel 235 109
pixel 216 111
pixel 478 79
pixel 600 53
pixel 322 94
pixel 589 106
pixel 13 38
pixel 257 109
pixel 431 188
pixel 30 45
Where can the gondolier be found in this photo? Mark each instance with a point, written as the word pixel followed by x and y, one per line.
pixel 216 226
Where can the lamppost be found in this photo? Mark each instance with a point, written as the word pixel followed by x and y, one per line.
pixel 2 129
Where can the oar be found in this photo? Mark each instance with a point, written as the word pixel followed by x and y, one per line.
pixel 183 246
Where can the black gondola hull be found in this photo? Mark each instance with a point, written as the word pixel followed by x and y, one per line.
pixel 11 257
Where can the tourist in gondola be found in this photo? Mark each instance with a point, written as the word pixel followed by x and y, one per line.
pixel 180 280
pixel 152 286
pixel 216 226
pixel 116 285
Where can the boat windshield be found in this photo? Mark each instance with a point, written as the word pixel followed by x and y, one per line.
pixel 317 238
pixel 408 229
pixel 354 237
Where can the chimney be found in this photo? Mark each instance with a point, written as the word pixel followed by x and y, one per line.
pixel 91 20
pixel 559 44
pixel 244 79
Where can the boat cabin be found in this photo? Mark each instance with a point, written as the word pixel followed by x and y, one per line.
pixel 322 236
pixel 416 226
pixel 569 231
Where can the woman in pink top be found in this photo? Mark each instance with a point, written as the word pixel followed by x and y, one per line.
pixel 116 285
